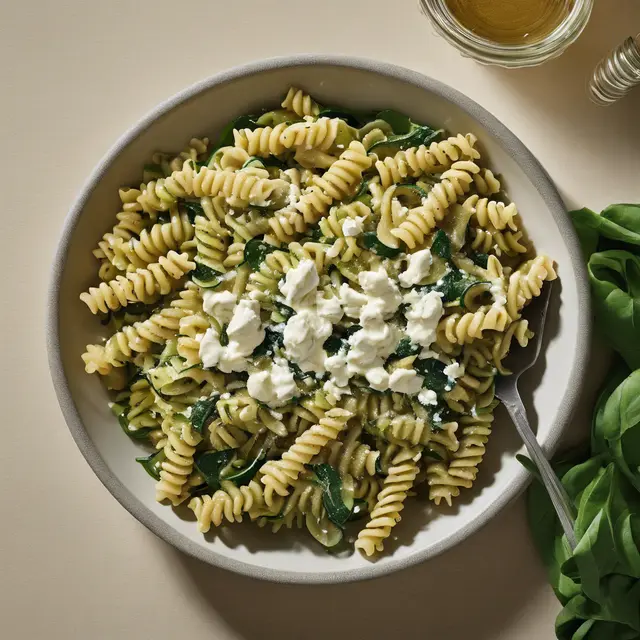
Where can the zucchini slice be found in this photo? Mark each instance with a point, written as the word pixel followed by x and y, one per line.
pixel 476 295
pixel 415 138
pixel 410 195
pixel 206 277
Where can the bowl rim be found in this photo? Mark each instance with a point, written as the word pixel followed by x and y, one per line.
pixel 538 176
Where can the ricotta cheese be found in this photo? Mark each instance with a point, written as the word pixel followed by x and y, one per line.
pixel 428 397
pixel 304 337
pixel 353 227
pixel 418 268
pixel 423 316
pixel 405 381
pixel 299 283
pixel 454 371
pixel 275 386
pixel 219 305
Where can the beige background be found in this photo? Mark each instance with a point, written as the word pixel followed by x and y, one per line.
pixel 74 74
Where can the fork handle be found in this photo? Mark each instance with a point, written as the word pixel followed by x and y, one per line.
pixel 559 497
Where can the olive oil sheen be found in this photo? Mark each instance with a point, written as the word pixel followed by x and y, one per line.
pixel 510 21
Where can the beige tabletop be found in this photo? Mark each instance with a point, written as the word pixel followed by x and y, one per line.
pixel 74 74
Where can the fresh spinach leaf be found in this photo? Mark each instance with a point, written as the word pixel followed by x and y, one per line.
pixel 400 123
pixel 334 343
pixel 619 222
pixel 211 464
pixel 255 251
pixel 372 243
pixel 352 118
pixel 245 475
pixel 405 349
pixel 615 282
pixel 481 259
pixel 194 208
pixel 152 464
pixel 203 411
pixel 432 371
pixel 360 509
pixel 243 122
pixel 273 340
pixel 441 245
pixel 285 311
pixel 331 482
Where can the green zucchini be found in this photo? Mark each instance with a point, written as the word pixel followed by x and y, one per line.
pixel 476 295
pixel 333 497
pixel 325 532
pixel 276 117
pixel 455 226
pixel 410 195
pixel 441 245
pixel 205 276
pixel 373 244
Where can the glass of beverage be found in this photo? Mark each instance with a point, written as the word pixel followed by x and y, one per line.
pixel 509 33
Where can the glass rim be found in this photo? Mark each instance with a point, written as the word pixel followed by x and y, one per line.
pixel 485 50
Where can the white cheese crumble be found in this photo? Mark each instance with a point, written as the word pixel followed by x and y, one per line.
pixel 454 371
pixel 299 283
pixel 329 308
pixel 418 267
pixel 498 293
pixel 378 378
pixel 337 366
pixel 304 336
pixel 352 301
pixel 245 333
pixel 405 381
pixel 423 316
pixel 333 389
pixel 381 290
pixel 353 227
pixel 428 397
pixel 275 386
pixel 219 305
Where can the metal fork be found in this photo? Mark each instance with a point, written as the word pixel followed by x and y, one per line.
pixel 519 361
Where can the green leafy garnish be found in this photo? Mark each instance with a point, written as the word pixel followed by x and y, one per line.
pixel 360 509
pixel 205 277
pixel 247 473
pixel 441 245
pixel 352 118
pixel 203 411
pixel 481 259
pixel 432 371
pixel 405 349
pixel 152 464
pixel 211 464
pixel 329 479
pixel 372 243
pixel 194 208
pixel 255 251
pixel 334 343
pixel 285 311
pixel 400 123
pixel 272 340
pixel 243 122
pixel 224 336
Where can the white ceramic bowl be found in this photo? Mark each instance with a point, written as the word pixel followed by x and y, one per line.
pixel 551 389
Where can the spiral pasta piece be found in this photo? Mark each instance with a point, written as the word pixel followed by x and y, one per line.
pixel 463 328
pixel 320 135
pixel 177 465
pixel 526 283
pixel 344 174
pixel 141 285
pixel 421 220
pixel 351 456
pixel 389 504
pixel 262 142
pixel 228 503
pixel 301 103
pixel 436 158
pixel 475 435
pixel 279 475
pixel 443 485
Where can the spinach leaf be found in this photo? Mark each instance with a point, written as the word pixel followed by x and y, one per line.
pixel 360 509
pixel 405 349
pixel 481 259
pixel 151 464
pixel 620 425
pixel 331 482
pixel 372 243
pixel 441 245
pixel 333 344
pixel 203 411
pixel 400 123
pixel 211 464
pixel 352 118
pixel 273 340
pixel 245 475
pixel 619 222
pixel 615 282
pixel 285 311
pixel 432 371
pixel 194 208
pixel 255 251
pixel 243 122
